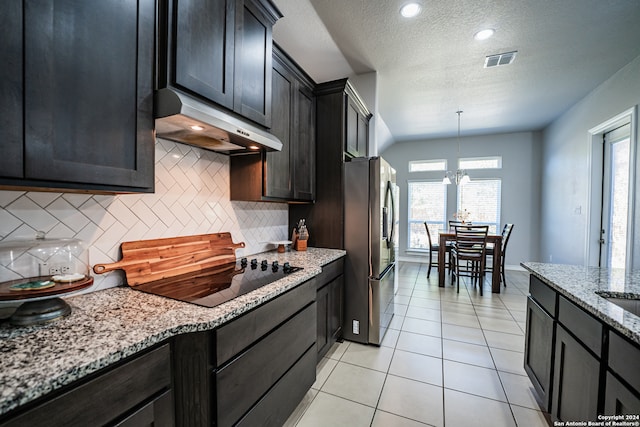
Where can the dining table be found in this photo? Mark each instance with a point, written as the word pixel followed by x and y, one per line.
pixel 495 239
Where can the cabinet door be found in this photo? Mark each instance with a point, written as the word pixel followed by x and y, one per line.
pixel 204 34
pixel 11 104
pixel 620 399
pixel 538 350
pixel 323 341
pixel 352 129
pixel 89 92
pixel 336 300
pixel 575 380
pixel 278 164
pixel 330 307
pixel 363 135
pixel 304 145
pixel 253 63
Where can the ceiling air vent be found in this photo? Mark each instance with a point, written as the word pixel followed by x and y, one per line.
pixel 499 59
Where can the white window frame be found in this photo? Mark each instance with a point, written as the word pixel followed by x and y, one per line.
pixel 411 221
pixel 473 220
pixel 471 159
pixel 428 162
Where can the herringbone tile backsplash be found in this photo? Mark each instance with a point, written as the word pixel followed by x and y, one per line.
pixel 191 197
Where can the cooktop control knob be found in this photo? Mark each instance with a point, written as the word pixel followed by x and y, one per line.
pixel 243 262
pixel 274 266
pixel 254 263
pixel 286 267
pixel 264 264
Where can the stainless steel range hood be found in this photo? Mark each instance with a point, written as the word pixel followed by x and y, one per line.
pixel 182 118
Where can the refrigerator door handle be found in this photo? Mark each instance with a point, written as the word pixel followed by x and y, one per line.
pixel 388 200
pixel 393 216
pixel 385 223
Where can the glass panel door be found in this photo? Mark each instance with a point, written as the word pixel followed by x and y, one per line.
pixel 615 209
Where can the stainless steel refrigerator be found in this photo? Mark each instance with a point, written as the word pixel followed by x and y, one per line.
pixel 370 238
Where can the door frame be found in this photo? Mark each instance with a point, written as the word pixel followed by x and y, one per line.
pixel 594 191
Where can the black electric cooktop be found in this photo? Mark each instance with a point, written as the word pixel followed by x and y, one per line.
pixel 219 284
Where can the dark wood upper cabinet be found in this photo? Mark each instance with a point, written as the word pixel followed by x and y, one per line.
pixel 88 95
pixel 289 174
pixel 11 101
pixel 220 50
pixel 204 37
pixel 342 122
pixel 304 156
pixel 278 165
pixel 357 139
pixel 253 60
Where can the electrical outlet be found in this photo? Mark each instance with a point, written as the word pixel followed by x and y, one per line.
pixel 57 269
pixel 356 327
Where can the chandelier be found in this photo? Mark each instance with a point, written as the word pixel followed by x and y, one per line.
pixel 460 176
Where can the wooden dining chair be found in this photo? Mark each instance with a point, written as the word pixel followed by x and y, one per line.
pixel 468 254
pixel 506 233
pixel 434 247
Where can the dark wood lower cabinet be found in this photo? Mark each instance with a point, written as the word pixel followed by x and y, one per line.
pixel 262 362
pixel 620 399
pixel 538 350
pixel 576 381
pixel 329 300
pixel 580 367
pixel 135 393
pixel 241 383
pixel 275 407
pixel 253 370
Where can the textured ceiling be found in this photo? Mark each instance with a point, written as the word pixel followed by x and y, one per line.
pixel 430 66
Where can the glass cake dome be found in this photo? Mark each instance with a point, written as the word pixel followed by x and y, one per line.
pixel 38 270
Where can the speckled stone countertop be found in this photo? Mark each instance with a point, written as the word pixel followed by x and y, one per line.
pixel 107 326
pixel 580 284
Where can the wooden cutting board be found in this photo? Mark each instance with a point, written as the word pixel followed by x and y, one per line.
pixel 145 261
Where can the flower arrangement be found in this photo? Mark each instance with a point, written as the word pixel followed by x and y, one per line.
pixel 462 215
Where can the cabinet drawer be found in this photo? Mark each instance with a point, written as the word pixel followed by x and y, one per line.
pixel 581 324
pixel 241 384
pixel 623 360
pixel 543 294
pixel 117 391
pixel 276 406
pixel 330 272
pixel 237 335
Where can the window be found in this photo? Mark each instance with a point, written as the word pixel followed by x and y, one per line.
pixel 427 165
pixel 481 197
pixel 494 162
pixel 427 202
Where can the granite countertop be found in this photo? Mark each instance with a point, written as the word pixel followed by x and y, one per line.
pixel 107 326
pixel 580 284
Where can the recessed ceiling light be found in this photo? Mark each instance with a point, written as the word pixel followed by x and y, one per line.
pixel 484 34
pixel 411 10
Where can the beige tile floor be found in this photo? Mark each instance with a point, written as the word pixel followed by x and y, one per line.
pixel 448 360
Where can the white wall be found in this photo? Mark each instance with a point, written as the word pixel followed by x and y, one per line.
pixel 191 197
pixel 521 153
pixel 566 174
